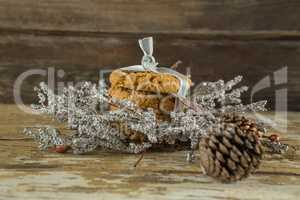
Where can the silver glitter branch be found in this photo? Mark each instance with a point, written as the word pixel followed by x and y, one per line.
pixel 221 97
pixel 47 137
pixel 84 109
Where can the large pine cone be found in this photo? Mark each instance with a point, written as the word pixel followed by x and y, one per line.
pixel 232 149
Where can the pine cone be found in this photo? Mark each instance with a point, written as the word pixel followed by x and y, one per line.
pixel 232 149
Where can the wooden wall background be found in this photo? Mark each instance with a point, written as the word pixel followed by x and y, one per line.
pixel 215 38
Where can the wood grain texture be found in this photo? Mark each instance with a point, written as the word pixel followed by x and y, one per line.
pixel 27 173
pixel 216 39
pixel 160 16
pixel 82 58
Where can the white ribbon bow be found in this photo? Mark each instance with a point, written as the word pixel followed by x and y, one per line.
pixel 149 64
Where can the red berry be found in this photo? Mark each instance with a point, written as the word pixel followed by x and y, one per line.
pixel 274 138
pixel 59 149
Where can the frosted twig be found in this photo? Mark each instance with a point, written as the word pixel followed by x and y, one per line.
pixel 82 108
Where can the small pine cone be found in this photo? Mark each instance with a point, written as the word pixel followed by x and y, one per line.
pixel 232 149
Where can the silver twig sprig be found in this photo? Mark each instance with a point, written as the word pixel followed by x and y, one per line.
pixel 83 108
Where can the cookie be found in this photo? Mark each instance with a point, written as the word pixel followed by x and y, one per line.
pixel 127 133
pixel 145 81
pixel 161 104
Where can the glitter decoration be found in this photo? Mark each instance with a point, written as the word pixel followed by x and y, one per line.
pixel 83 109
pixel 48 137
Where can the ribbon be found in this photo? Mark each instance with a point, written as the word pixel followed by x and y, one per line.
pixel 149 64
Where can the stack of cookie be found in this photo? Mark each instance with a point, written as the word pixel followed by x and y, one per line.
pixel 146 89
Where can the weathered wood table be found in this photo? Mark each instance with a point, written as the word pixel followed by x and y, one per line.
pixel 27 173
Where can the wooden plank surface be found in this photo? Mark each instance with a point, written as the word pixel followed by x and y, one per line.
pixel 82 58
pixel 159 16
pixel 27 173
pixel 216 39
